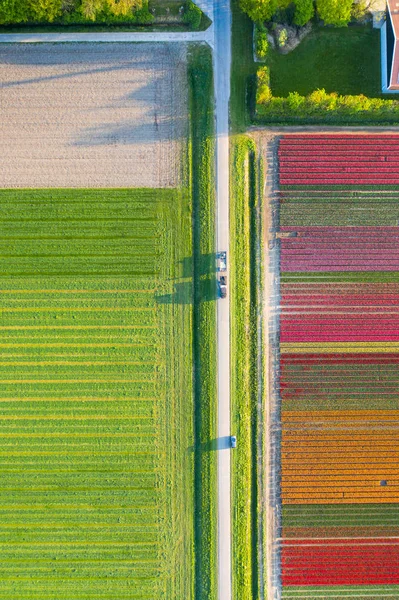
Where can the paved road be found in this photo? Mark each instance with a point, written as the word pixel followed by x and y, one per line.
pixel 222 62
pixel 218 37
pixel 35 38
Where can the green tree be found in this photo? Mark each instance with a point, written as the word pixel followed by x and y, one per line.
pixel 90 8
pixel 304 11
pixel 124 7
pixel 13 11
pixel 45 10
pixel 259 10
pixel 192 15
pixel 335 12
pixel 295 101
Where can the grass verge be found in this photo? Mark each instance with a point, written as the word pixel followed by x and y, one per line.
pixel 245 281
pixel 203 192
pixel 243 70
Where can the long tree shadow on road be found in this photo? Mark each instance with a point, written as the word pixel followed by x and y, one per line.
pixel 183 290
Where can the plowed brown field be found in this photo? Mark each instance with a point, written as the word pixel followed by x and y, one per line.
pixel 92 115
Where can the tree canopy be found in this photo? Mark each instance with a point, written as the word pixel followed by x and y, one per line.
pixel 90 8
pixel 45 10
pixel 304 11
pixel 20 11
pixel 332 12
pixel 260 10
pixel 13 11
pixel 335 12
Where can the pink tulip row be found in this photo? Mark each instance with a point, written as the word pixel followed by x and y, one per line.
pixel 343 167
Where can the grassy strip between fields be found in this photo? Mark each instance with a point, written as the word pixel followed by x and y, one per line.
pixel 244 280
pixel 203 192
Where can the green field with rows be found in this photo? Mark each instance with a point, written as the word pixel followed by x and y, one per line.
pixel 96 395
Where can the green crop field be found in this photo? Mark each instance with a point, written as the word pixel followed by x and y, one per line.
pixel 96 395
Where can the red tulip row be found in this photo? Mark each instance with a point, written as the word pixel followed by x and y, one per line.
pixel 331 140
pixel 328 149
pixel 340 562
pixel 380 544
pixel 338 359
pixel 339 169
pixel 332 300
pixel 339 577
pixel 375 145
pixel 334 171
pixel 374 180
pixel 323 265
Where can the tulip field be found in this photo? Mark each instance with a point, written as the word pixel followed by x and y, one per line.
pixel 96 403
pixel 339 365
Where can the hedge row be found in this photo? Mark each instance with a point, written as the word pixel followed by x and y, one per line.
pixel 319 106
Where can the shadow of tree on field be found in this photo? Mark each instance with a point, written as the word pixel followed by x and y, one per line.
pixel 206 264
pixel 183 291
pixel 86 64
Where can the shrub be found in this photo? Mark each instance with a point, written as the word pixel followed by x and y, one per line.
pixel 335 12
pixel 259 10
pixel 319 99
pixel 332 12
pixel 320 106
pixel 122 8
pixel 261 42
pixel 282 38
pixel 143 16
pixel 295 101
pixel 192 15
pixel 263 91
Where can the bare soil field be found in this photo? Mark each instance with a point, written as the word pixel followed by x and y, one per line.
pixel 92 115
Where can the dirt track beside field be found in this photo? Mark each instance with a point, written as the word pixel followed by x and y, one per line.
pixel 92 115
